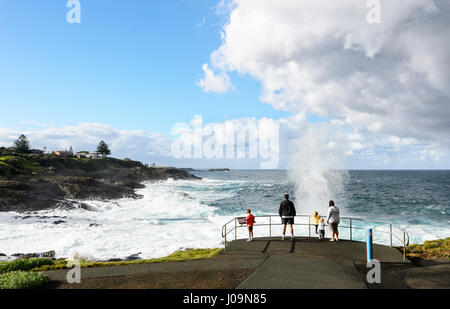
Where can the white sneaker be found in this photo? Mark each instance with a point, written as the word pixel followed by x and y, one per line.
pixel 292 237
pixel 282 237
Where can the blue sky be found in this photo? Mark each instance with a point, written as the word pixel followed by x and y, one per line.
pixel 132 69
pixel 131 64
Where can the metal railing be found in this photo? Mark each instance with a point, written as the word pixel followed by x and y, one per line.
pixel 404 238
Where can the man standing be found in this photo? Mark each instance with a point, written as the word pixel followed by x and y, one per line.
pixel 287 214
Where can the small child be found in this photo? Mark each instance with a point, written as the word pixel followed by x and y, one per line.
pixel 250 222
pixel 321 229
pixel 315 220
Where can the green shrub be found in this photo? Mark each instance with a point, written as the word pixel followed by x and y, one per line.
pixel 431 249
pixel 22 280
pixel 24 265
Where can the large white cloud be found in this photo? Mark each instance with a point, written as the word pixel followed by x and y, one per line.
pixel 387 80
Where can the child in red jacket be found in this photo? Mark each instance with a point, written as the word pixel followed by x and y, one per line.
pixel 250 222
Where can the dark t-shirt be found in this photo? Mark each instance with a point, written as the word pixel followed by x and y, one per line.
pixel 287 208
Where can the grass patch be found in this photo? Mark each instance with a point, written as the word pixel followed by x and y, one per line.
pixel 24 264
pixel 22 280
pixel 15 165
pixel 178 256
pixel 430 249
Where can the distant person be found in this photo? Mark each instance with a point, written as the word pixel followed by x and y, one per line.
pixel 287 214
pixel 333 220
pixel 321 229
pixel 315 219
pixel 250 222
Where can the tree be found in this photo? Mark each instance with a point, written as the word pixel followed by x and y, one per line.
pixel 22 144
pixel 103 148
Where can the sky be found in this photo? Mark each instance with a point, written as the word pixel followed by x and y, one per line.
pixel 376 91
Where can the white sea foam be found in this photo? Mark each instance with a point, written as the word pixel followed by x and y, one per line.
pixel 158 224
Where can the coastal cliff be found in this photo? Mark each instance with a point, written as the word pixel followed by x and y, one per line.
pixel 31 182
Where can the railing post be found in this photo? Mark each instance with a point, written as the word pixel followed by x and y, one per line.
pixel 369 245
pixel 390 235
pixel 309 226
pixel 404 246
pixel 351 235
pixel 225 237
pixel 270 226
pixel 235 228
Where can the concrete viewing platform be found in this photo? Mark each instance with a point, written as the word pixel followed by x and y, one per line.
pixel 271 263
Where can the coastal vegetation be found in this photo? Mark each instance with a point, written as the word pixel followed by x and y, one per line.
pixel 16 274
pixel 178 256
pixel 22 280
pixel 39 264
pixel 24 264
pixel 27 273
pixel 430 249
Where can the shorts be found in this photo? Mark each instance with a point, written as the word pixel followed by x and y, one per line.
pixel 334 227
pixel 250 228
pixel 287 220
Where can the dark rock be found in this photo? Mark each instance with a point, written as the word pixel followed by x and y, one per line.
pixel 114 260
pixel 59 222
pixel 17 254
pixel 29 256
pixel 2 254
pixel 94 225
pixel 49 254
pixel 134 257
pixel 185 195
pixel 86 207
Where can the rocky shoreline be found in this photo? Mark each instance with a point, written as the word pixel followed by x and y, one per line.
pixel 55 182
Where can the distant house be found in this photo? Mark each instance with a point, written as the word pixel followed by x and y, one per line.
pixel 37 151
pixel 95 155
pixel 64 153
pixel 82 154
pixel 87 155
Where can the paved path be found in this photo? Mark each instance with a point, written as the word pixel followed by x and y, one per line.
pixel 271 263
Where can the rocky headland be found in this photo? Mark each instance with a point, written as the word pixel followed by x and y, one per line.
pixel 32 183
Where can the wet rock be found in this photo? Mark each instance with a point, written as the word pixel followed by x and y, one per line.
pixel 185 195
pixel 134 257
pixel 2 254
pixel 17 254
pixel 115 260
pixel 49 254
pixel 29 256
pixel 94 225
pixel 59 222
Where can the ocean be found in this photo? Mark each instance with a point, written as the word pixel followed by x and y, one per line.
pixel 182 214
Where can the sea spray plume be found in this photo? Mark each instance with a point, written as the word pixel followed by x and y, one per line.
pixel 316 168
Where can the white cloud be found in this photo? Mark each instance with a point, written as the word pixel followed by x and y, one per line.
pixel 389 81
pixel 214 82
pixel 137 144
pixel 362 151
